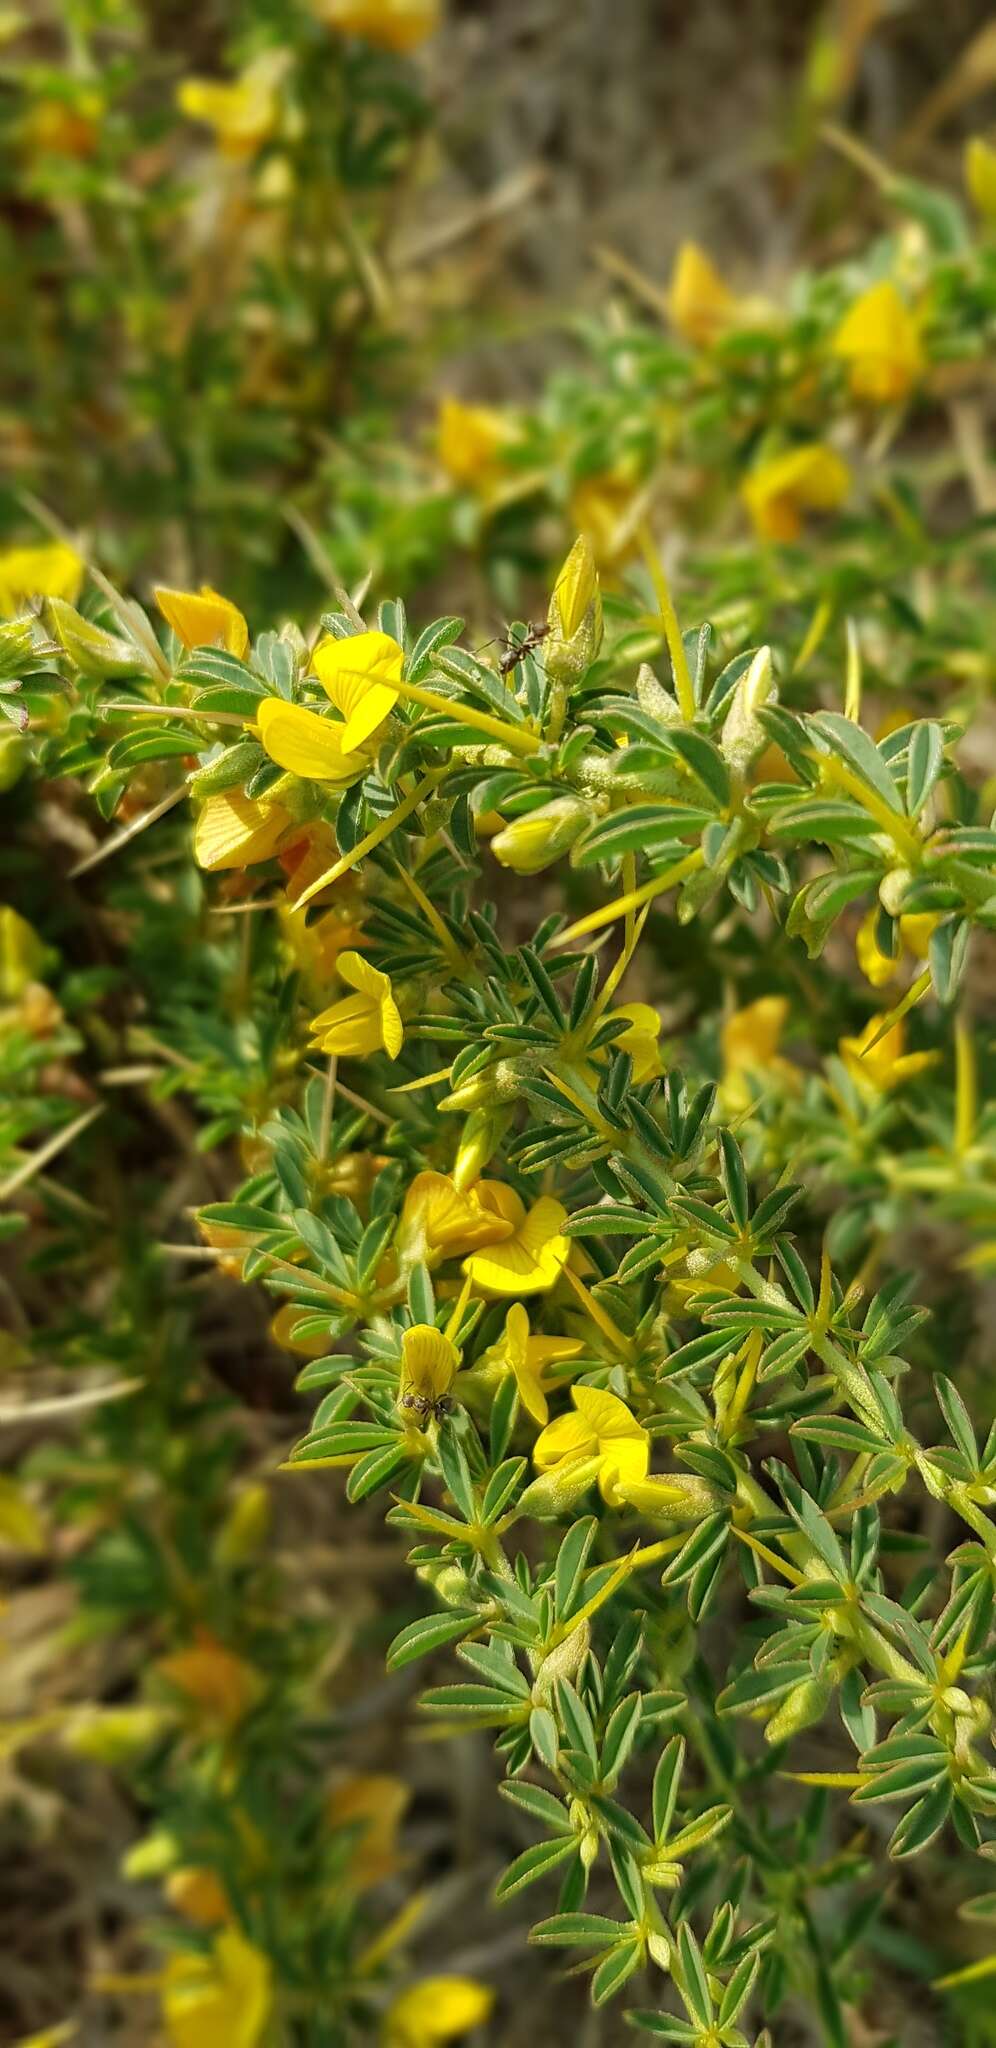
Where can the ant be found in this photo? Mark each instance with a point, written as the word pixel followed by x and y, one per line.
pixel 516 650
pixel 425 1408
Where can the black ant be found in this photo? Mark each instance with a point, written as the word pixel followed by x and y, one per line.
pixel 516 650
pixel 426 1408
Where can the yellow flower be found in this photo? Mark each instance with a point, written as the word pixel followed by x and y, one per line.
pixel 51 570
pixel 398 25
pixel 242 111
pixel 429 1365
pixel 221 1998
pixel 203 618
pixel 879 339
pixel 600 1439
pixel 574 614
pixel 749 1042
pixel 283 1330
pixel 368 1021
pixel 914 933
pixel 980 175
pixel 212 1678
pixel 233 832
pixel 470 441
pixel 701 306
pixel 198 1895
pixel 436 2011
pixel 437 1216
pixel 360 674
pixel 305 743
pixel 640 1039
pixel 372 1804
pixel 885 1065
pixel 526 1358
pixel 532 1257
pixel 777 492
pixel 669 1496
pixel 602 507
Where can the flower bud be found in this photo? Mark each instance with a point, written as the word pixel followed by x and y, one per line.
pixel 563 1662
pixel 114 1735
pixel 245 1527
pixel 233 766
pixel 556 1491
pixel 449 1582
pixel 152 1857
pixel 482 1134
pixel 743 735
pixel 533 842
pixel 980 176
pixel 807 1702
pixel 92 651
pixel 575 615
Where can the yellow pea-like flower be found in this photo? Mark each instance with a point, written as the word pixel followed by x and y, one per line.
pixel 242 111
pixel 531 1258
pixel 470 441
pixel 398 25
pixel 880 1068
pixel 435 2011
pixel 879 340
pixel 526 1357
pixel 914 935
pixel 701 305
pixel 366 1022
pixel 203 618
pixel 223 1997
pixel 372 1805
pixel 429 1363
pixel 305 743
pixel 212 1678
pixel 50 570
pixel 640 1039
pixel 233 832
pixel 603 1434
pixel 437 1216
pixel 779 491
pixel 360 675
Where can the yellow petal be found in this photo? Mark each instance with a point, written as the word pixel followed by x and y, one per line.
pixel 350 1029
pixel 444 1218
pixel 357 972
pixel 470 440
pixel 359 674
pixel 212 1678
pixel 880 341
pixel 530 1260
pixel 569 1437
pixel 436 2011
pixel 576 587
pixel 700 304
pixel 306 744
pixel 233 832
pixel 224 1998
pixel 778 491
pixel 51 570
pixel 428 1361
pixel 606 1416
pixel 203 618
pixel 624 1463
pixel 398 25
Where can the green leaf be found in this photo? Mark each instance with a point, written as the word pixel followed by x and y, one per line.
pixel 532 1864
pixel 429 1633
pixel 853 745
